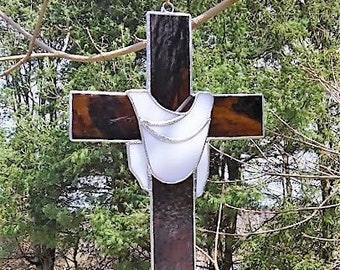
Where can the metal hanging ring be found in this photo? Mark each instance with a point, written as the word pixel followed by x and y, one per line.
pixel 166 6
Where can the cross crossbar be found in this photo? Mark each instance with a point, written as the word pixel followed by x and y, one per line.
pixel 109 116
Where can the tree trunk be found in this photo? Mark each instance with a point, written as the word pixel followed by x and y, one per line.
pixel 327 216
pixel 46 258
pixel 229 219
pixel 286 182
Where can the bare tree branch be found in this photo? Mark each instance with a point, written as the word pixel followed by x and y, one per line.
pixel 320 238
pixel 32 41
pixel 308 140
pixel 334 176
pixel 242 235
pixel 196 22
pixel 82 58
pixel 205 254
pixel 276 212
pixel 27 35
pixel 217 234
pixel 318 177
pixel 66 41
pixel 92 41
pixel 333 90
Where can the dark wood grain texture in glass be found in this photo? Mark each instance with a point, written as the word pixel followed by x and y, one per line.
pixel 112 117
pixel 105 117
pixel 172 205
pixel 170 59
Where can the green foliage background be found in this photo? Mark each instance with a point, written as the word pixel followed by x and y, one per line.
pixel 54 193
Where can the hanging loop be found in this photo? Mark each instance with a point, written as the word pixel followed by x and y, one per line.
pixel 167 6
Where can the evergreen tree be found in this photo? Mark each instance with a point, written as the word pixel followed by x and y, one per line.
pixel 59 198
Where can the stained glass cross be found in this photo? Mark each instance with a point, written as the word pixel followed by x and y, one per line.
pixel 110 116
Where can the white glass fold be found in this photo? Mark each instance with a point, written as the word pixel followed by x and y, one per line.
pixel 173 144
pixel 138 164
pixel 202 171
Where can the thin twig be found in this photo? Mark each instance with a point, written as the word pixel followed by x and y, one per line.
pixel 333 90
pixel 217 235
pixel 205 254
pixel 320 238
pixel 317 177
pixel 66 41
pixel 27 35
pixel 277 229
pixel 260 150
pixel 225 154
pixel 32 41
pixel 93 43
pixel 276 212
pixel 197 21
pixel 309 141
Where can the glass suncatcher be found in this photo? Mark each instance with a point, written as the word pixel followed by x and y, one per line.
pixel 166 129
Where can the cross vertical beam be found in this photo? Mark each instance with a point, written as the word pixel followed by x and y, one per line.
pixel 169 60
